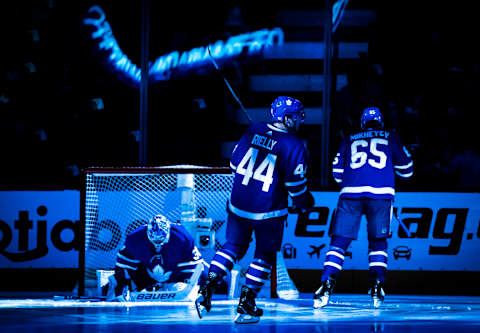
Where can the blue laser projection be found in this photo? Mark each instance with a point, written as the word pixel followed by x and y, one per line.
pixel 177 63
pixel 106 41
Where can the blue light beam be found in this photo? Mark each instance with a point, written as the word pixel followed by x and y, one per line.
pixel 177 63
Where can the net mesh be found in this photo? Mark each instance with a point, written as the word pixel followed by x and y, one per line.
pixel 117 203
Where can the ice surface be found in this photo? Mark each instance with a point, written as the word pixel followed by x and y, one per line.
pixel 345 313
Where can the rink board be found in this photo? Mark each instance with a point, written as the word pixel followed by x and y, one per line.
pixel 444 228
pixel 444 233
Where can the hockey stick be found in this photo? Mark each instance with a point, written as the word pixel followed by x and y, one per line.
pixel 228 85
pixel 404 227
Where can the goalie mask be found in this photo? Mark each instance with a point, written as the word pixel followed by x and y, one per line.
pixel 371 118
pixel 288 111
pixel 158 231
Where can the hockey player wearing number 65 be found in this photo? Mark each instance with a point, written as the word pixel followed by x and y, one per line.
pixel 158 256
pixel 365 166
pixel 269 163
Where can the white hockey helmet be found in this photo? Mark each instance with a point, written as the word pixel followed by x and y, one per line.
pixel 158 231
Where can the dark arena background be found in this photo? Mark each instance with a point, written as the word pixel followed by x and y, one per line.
pixel 127 89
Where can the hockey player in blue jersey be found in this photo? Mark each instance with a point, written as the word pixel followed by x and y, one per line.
pixel 365 166
pixel 157 256
pixel 269 164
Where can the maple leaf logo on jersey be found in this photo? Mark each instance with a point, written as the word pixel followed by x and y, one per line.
pixel 289 102
pixel 159 274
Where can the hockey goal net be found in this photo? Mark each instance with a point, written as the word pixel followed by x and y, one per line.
pixel 118 200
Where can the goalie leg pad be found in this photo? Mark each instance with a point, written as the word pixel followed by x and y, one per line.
pixel 112 285
pixel 178 291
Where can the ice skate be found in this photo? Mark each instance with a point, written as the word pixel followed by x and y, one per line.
pixel 377 293
pixel 247 310
pixel 203 303
pixel 320 299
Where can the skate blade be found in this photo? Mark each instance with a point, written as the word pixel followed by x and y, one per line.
pixel 241 318
pixel 377 302
pixel 320 303
pixel 201 310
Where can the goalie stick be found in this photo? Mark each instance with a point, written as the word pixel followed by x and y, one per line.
pixel 228 85
pixel 168 295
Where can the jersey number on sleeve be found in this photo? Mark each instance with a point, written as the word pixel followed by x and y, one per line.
pixel 359 157
pixel 300 171
pixel 263 173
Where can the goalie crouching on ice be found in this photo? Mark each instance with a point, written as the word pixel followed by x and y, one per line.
pixel 161 257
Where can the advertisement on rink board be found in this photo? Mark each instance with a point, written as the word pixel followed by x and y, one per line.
pixel 444 234
pixel 39 229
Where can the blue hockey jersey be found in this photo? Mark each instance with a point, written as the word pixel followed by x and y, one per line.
pixel 269 164
pixel 367 162
pixel 174 263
